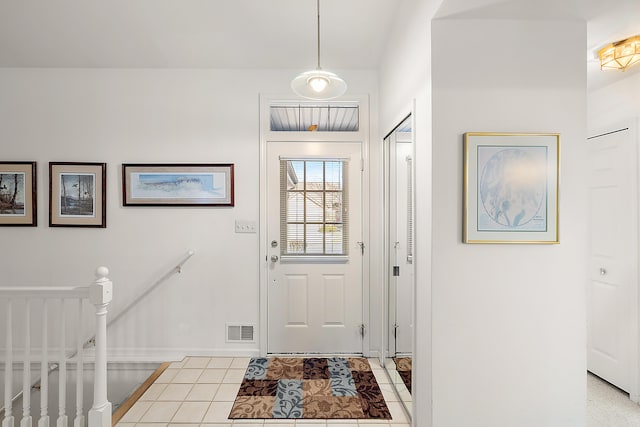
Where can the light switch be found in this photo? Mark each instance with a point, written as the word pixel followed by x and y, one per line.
pixel 246 226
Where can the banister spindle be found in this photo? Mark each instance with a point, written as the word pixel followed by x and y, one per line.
pixel 62 366
pixel 8 420
pixel 100 295
pixel 79 420
pixel 26 369
pixel 44 368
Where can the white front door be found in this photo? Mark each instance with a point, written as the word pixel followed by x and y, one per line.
pixel 612 290
pixel 314 230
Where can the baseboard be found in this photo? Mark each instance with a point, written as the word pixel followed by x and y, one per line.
pixel 173 354
pixel 375 354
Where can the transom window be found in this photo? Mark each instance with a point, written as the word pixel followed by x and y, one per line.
pixel 313 207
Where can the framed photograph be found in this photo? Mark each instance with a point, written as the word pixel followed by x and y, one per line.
pixel 511 185
pixel 18 194
pixel 177 184
pixel 77 194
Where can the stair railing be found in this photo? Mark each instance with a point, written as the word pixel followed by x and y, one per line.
pixel 100 294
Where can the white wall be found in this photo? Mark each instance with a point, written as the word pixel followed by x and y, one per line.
pixel 508 320
pixel 405 83
pixel 614 103
pixel 140 115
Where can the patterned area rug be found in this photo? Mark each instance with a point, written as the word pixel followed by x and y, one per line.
pixel 403 366
pixel 283 387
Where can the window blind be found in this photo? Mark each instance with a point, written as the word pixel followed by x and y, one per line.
pixel 314 207
pixel 409 209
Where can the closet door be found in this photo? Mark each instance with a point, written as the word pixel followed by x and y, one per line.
pixel 612 295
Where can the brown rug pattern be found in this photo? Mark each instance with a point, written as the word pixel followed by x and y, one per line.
pixel 312 388
pixel 403 366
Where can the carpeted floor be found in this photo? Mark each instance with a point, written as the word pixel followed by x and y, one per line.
pixel 312 388
pixel 403 366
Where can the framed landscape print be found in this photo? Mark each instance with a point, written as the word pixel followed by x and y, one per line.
pixel 511 185
pixel 77 194
pixel 18 194
pixel 177 184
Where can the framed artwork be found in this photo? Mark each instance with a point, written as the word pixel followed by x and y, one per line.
pixel 511 183
pixel 18 194
pixel 177 184
pixel 77 194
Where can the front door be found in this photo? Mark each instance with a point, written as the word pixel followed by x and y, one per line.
pixel 314 229
pixel 612 289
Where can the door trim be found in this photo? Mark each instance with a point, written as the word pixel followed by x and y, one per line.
pixel 266 135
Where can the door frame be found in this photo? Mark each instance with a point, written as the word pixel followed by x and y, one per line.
pixel 634 327
pixel 387 146
pixel 266 135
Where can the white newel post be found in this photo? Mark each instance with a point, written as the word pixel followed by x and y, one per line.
pixel 100 295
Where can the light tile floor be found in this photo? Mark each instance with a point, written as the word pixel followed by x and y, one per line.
pixel 199 392
pixel 608 406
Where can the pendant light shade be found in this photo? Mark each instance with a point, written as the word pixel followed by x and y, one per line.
pixel 318 84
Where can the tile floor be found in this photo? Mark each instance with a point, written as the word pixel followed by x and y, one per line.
pixel 199 392
pixel 608 406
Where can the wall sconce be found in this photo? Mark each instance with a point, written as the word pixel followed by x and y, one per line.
pixel 620 55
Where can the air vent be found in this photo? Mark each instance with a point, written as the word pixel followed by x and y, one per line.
pixel 237 332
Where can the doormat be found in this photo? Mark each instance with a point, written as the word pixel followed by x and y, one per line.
pixel 403 366
pixel 311 388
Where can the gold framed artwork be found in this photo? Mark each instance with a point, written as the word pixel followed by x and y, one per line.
pixel 77 194
pixel 18 194
pixel 511 184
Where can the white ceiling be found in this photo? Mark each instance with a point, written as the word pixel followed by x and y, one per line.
pixel 257 33
pixel 192 33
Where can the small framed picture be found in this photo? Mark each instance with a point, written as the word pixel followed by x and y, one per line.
pixel 511 183
pixel 18 194
pixel 177 184
pixel 77 194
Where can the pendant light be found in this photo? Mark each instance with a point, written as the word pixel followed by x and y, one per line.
pixel 318 84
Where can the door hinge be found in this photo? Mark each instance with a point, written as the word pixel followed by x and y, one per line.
pixel 361 244
pixel 362 330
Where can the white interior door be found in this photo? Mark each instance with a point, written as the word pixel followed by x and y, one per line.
pixel 314 229
pixel 612 290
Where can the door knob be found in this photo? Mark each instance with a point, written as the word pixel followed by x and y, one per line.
pixel 603 271
pixel 274 258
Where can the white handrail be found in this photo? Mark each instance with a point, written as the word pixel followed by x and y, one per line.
pixel 64 293
pixel 136 300
pixel 40 292
pixel 100 295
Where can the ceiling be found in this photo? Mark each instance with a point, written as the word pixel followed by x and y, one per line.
pixel 258 33
pixel 192 33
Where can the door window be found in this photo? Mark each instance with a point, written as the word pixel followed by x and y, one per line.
pixel 314 207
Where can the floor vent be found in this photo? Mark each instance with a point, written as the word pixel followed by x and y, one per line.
pixel 237 332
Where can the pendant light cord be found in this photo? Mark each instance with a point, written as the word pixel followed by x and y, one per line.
pixel 318 10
